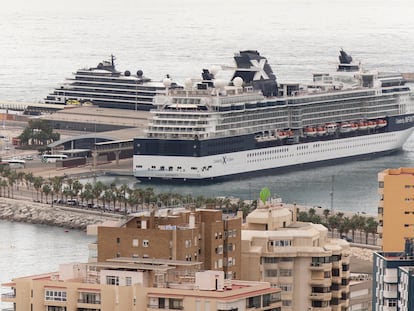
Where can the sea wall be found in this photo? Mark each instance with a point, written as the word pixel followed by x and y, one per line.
pixel 46 214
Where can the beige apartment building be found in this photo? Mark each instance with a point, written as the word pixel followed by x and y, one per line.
pixel 395 208
pixel 203 235
pixel 126 284
pixel 311 269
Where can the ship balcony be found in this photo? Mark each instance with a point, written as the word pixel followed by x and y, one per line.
pixel 8 297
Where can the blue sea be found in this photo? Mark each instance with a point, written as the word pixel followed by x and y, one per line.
pixel 44 41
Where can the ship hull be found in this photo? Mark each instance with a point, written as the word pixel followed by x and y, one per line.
pixel 261 160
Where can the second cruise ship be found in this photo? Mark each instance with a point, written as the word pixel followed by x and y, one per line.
pixel 107 87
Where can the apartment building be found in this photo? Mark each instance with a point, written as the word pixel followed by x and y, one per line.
pixel 311 269
pixel 204 235
pixel 393 280
pixel 395 208
pixel 126 284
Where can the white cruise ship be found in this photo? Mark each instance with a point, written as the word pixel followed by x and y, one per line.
pixel 107 87
pixel 213 129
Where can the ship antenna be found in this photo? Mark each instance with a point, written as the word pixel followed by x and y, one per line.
pixel 113 60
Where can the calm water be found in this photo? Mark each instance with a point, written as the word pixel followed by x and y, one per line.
pixel 43 41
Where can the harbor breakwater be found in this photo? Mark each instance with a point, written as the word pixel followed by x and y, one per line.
pixel 46 214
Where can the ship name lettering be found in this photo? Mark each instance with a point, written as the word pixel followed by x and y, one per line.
pixel 406 119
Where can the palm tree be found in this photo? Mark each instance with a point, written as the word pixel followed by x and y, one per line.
pixel 370 227
pixel 29 179
pixel 344 226
pixel 97 190
pixel 46 189
pixel 37 184
pixel 12 177
pixel 56 183
pixel 87 192
pixel 3 185
pixel 123 189
pixel 326 213
pixel 77 188
pixel 333 222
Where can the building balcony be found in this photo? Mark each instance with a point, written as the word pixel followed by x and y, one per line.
pixel 379 229
pixel 320 296
pixel 321 308
pixel 320 282
pixel 384 308
pixel 390 279
pixel 88 302
pixel 8 297
pixel 317 266
pixel 389 294
pixel 336 265
pixel 166 308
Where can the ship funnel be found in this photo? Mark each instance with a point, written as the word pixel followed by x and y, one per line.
pixel 255 70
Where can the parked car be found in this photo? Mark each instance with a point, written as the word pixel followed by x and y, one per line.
pixel 348 239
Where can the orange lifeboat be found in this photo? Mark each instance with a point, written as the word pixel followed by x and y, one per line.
pixel 321 130
pixel 372 124
pixel 281 134
pixel 354 126
pixel 381 123
pixel 310 131
pixel 362 125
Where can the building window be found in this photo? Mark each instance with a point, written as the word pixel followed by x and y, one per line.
pixel 280 243
pixel 270 260
pixel 128 281
pixel 270 273
pixel 118 240
pixel 145 243
pixel 90 298
pixel 285 272
pixel 55 295
pixel 112 280
pixel 135 243
pixel 175 304
pixel 253 302
pixel 283 287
